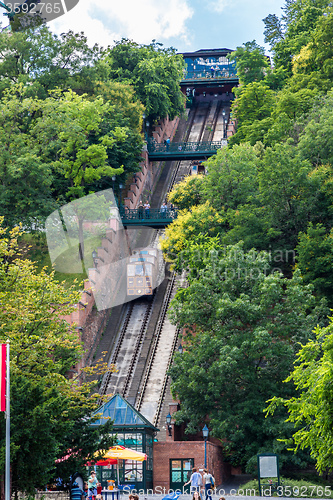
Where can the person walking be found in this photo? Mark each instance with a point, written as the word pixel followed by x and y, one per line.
pixel 209 483
pixel 195 480
pixel 167 142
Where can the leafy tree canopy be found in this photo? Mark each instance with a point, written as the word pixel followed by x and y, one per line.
pixel 251 62
pixel 288 34
pixel 50 413
pixel 242 329
pixel 154 72
pixel 63 146
pixel 37 57
pixel 311 410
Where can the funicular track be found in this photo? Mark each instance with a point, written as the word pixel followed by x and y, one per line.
pixel 157 335
pixel 146 341
pixel 127 347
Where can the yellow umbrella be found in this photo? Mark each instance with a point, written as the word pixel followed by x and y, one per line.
pixel 122 453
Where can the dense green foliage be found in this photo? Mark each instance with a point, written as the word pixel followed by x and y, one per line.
pixel 311 410
pixel 49 412
pixel 153 71
pixel 267 200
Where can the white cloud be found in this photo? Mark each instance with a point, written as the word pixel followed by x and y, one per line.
pixel 141 21
pixel 218 5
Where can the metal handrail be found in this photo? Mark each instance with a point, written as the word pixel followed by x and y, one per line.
pixel 152 213
pixel 154 146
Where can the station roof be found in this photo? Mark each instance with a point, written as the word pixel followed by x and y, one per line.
pixel 123 414
pixel 208 53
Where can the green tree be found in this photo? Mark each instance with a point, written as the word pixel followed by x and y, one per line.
pixel 284 186
pixel 233 177
pixel 314 259
pixel 187 193
pixel 310 410
pixel 251 62
pixel 319 132
pixel 65 61
pixel 50 413
pixel 154 72
pixel 242 331
pixel 252 109
pixel 288 34
pixel 25 175
pixel 200 220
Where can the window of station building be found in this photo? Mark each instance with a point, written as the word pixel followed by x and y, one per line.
pixel 130 440
pixel 133 471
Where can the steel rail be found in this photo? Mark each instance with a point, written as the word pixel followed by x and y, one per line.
pixel 157 334
pixel 137 349
pixel 115 353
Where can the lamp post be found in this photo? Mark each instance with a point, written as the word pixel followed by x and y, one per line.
pixel 113 181
pixel 225 127
pixel 145 127
pixel 168 423
pixel 94 256
pixel 180 349
pixel 205 432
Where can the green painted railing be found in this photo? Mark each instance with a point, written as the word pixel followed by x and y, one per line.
pixel 183 147
pixel 153 215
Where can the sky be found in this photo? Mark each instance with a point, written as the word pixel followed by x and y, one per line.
pixel 186 25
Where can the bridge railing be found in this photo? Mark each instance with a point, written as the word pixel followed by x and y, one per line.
pixel 208 74
pixel 151 214
pixel 155 147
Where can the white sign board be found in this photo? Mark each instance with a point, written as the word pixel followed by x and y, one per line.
pixel 268 466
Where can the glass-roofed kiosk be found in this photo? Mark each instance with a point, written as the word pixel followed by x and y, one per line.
pixel 133 431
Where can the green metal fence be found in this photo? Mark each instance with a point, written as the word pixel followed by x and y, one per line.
pixel 150 217
pixel 183 147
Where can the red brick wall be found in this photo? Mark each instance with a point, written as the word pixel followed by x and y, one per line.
pixel 164 451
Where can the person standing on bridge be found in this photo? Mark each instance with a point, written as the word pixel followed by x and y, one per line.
pixel 140 209
pixel 164 209
pixel 147 209
pixel 167 142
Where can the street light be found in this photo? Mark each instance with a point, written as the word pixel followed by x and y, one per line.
pixel 205 432
pixel 225 127
pixel 168 423
pixel 121 187
pixel 94 256
pixel 113 181
pixel 180 349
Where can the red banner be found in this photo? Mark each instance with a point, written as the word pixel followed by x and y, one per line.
pixel 3 348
